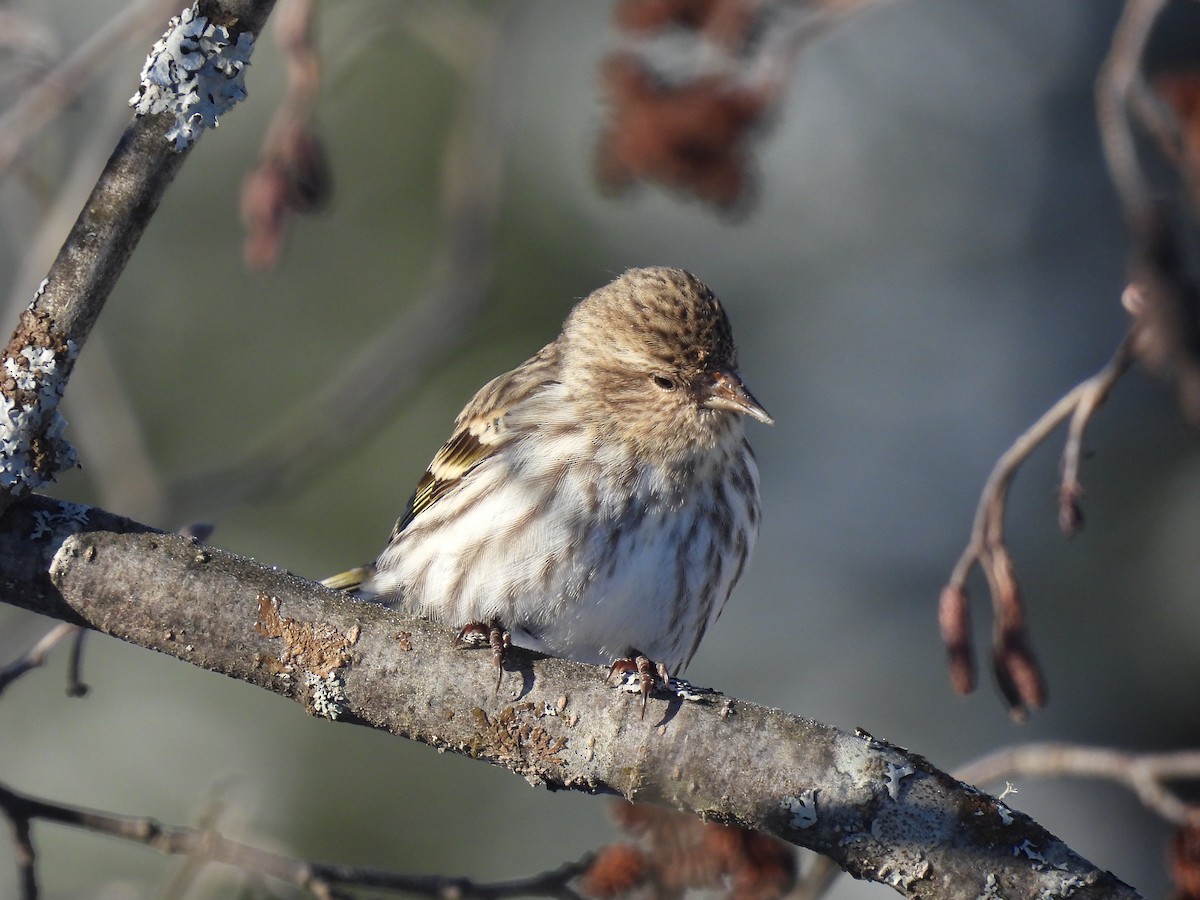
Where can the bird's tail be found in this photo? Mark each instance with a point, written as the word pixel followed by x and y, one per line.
pixel 350 581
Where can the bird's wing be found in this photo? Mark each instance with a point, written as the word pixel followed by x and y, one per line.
pixel 480 430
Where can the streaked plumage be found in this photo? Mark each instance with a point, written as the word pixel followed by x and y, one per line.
pixel 600 499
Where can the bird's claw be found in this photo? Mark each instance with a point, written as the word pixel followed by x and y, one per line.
pixel 477 634
pixel 650 674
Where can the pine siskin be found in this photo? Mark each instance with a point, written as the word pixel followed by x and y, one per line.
pixel 599 501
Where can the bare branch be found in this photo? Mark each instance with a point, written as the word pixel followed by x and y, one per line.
pixel 1093 393
pixel 1015 666
pixel 61 85
pixel 104 428
pixel 320 879
pixel 25 854
pixel 1165 307
pixel 878 811
pixel 39 358
pixel 1168 318
pixel 1146 774
pixel 75 685
pixel 36 655
pixel 1117 83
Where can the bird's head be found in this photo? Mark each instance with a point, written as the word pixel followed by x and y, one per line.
pixel 655 350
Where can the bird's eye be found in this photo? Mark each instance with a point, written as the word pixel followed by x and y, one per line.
pixel 663 382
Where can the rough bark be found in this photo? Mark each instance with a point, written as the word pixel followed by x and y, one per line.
pixel 879 811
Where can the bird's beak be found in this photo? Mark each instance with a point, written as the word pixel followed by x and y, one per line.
pixel 726 392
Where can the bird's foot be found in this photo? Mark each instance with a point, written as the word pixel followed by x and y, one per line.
pixel 477 634
pixel 649 674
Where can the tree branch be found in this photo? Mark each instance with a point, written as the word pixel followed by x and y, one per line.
pixel 878 811
pixel 1015 666
pixel 38 360
pixel 36 655
pixel 319 879
pixel 60 86
pixel 1146 774
pixel 1167 321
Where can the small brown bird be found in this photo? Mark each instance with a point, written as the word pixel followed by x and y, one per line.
pixel 599 501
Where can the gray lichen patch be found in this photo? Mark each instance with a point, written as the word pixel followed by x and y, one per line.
pixel 68 518
pixel 327 694
pixel 35 366
pixel 195 73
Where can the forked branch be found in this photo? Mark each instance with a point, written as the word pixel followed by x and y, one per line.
pixel 1016 668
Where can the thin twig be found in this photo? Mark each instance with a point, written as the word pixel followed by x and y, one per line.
pixel 320 879
pixel 1169 318
pixel 60 86
pixel 1016 667
pixel 1093 394
pixel 75 684
pixel 1164 330
pixel 36 655
pixel 26 857
pixel 1146 774
pixel 816 880
pixel 29 47
pixel 1167 298
pixel 1156 116
pixel 988 529
pixel 1119 75
pixel 181 880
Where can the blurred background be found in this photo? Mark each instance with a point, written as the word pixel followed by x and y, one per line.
pixel 933 256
